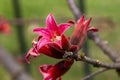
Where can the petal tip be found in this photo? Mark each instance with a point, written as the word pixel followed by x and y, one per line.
pixel 81 20
pixel 93 29
pixel 87 22
pixel 71 22
pixel 27 58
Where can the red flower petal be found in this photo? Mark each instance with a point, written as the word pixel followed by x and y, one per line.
pixel 73 48
pixel 42 42
pixel 71 21
pixel 63 27
pixel 42 31
pixel 81 20
pixel 65 43
pixel 93 29
pixel 50 72
pixel 52 50
pixel 51 23
pixel 87 22
pixel 32 52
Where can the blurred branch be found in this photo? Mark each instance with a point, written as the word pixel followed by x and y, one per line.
pixel 95 73
pixel 22 21
pixel 15 70
pixel 113 55
pixel 76 11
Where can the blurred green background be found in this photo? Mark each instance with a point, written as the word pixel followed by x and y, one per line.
pixel 106 17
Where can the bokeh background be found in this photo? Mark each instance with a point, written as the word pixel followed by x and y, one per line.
pixel 105 16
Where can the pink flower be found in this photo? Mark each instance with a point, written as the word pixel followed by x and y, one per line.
pixel 80 32
pixel 55 72
pixel 51 41
pixel 52 32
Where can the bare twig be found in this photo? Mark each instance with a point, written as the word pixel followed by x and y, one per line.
pixel 95 73
pixel 98 63
pixel 15 70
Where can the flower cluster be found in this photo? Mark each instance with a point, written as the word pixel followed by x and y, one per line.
pixel 53 42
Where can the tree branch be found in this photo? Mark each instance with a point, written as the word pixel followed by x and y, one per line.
pixel 94 62
pixel 98 63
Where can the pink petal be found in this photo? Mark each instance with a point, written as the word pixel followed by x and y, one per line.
pixel 77 33
pixel 86 26
pixel 73 48
pixel 44 68
pixel 51 23
pixel 81 20
pixel 27 58
pixel 32 52
pixel 43 32
pixel 42 42
pixel 93 29
pixel 87 22
pixel 71 21
pixel 65 43
pixel 63 27
pixel 52 50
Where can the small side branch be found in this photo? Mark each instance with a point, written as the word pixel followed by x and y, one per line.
pixel 95 73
